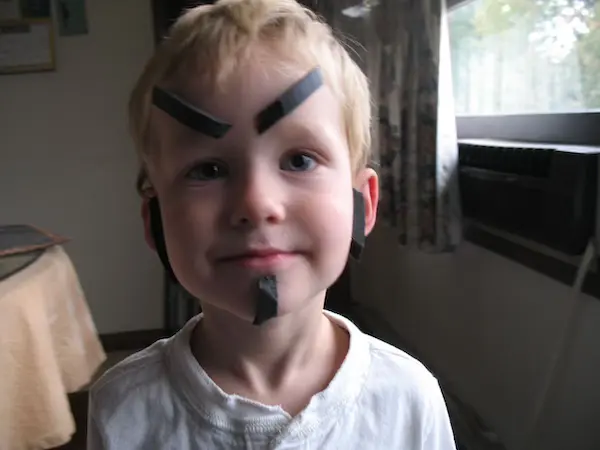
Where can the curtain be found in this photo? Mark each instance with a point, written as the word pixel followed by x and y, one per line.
pixel 407 59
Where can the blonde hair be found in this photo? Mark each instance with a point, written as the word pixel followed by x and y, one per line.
pixel 221 36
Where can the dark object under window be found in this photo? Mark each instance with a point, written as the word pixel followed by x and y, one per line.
pixel 545 193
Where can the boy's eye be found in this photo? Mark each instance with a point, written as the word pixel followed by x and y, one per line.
pixel 207 171
pixel 298 162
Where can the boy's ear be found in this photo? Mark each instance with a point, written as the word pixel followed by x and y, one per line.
pixel 367 183
pixel 147 223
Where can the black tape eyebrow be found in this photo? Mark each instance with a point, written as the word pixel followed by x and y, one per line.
pixel 289 100
pixel 188 114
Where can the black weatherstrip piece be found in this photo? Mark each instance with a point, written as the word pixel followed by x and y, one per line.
pixel 188 114
pixel 266 301
pixel 158 236
pixel 289 100
pixel 358 225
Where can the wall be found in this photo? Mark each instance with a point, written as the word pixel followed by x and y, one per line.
pixel 67 164
pixel 488 327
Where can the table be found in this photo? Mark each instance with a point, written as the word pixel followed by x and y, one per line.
pixel 49 347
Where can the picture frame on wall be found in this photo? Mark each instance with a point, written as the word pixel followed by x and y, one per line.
pixel 35 9
pixel 27 45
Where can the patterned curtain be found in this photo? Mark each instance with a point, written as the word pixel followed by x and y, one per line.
pixel 407 58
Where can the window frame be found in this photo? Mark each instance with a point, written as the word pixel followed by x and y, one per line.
pixel 568 128
pixel 576 128
pixel 564 128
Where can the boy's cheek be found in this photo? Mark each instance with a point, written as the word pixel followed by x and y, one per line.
pixel 187 229
pixel 332 228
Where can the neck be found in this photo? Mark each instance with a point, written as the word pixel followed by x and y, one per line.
pixel 264 358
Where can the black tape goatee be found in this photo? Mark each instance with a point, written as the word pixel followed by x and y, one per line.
pixel 266 300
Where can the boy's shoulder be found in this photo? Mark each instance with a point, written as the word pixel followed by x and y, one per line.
pixel 397 385
pixel 388 365
pixel 386 357
pixel 399 394
pixel 392 368
pixel 142 370
pixel 390 375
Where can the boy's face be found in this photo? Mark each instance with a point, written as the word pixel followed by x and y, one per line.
pixel 279 203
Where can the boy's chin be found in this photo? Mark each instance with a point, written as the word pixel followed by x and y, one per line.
pixel 238 296
pixel 244 308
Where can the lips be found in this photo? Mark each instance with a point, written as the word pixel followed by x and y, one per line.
pixel 260 259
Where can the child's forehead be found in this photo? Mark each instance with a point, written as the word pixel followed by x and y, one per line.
pixel 317 123
pixel 259 94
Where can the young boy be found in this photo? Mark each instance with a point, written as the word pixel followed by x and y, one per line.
pixel 253 128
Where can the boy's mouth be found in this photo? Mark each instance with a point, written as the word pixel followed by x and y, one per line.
pixel 265 258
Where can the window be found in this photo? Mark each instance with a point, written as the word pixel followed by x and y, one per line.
pixel 527 69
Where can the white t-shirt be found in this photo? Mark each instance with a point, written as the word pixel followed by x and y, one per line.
pixel 160 398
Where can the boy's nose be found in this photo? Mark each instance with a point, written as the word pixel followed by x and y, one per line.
pixel 257 200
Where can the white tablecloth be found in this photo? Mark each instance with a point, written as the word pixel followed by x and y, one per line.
pixel 48 347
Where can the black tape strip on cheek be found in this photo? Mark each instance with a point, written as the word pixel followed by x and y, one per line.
pixel 289 100
pixel 358 225
pixel 188 114
pixel 266 302
pixel 158 236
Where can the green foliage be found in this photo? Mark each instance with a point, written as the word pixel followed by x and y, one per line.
pixel 480 19
pixel 496 16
